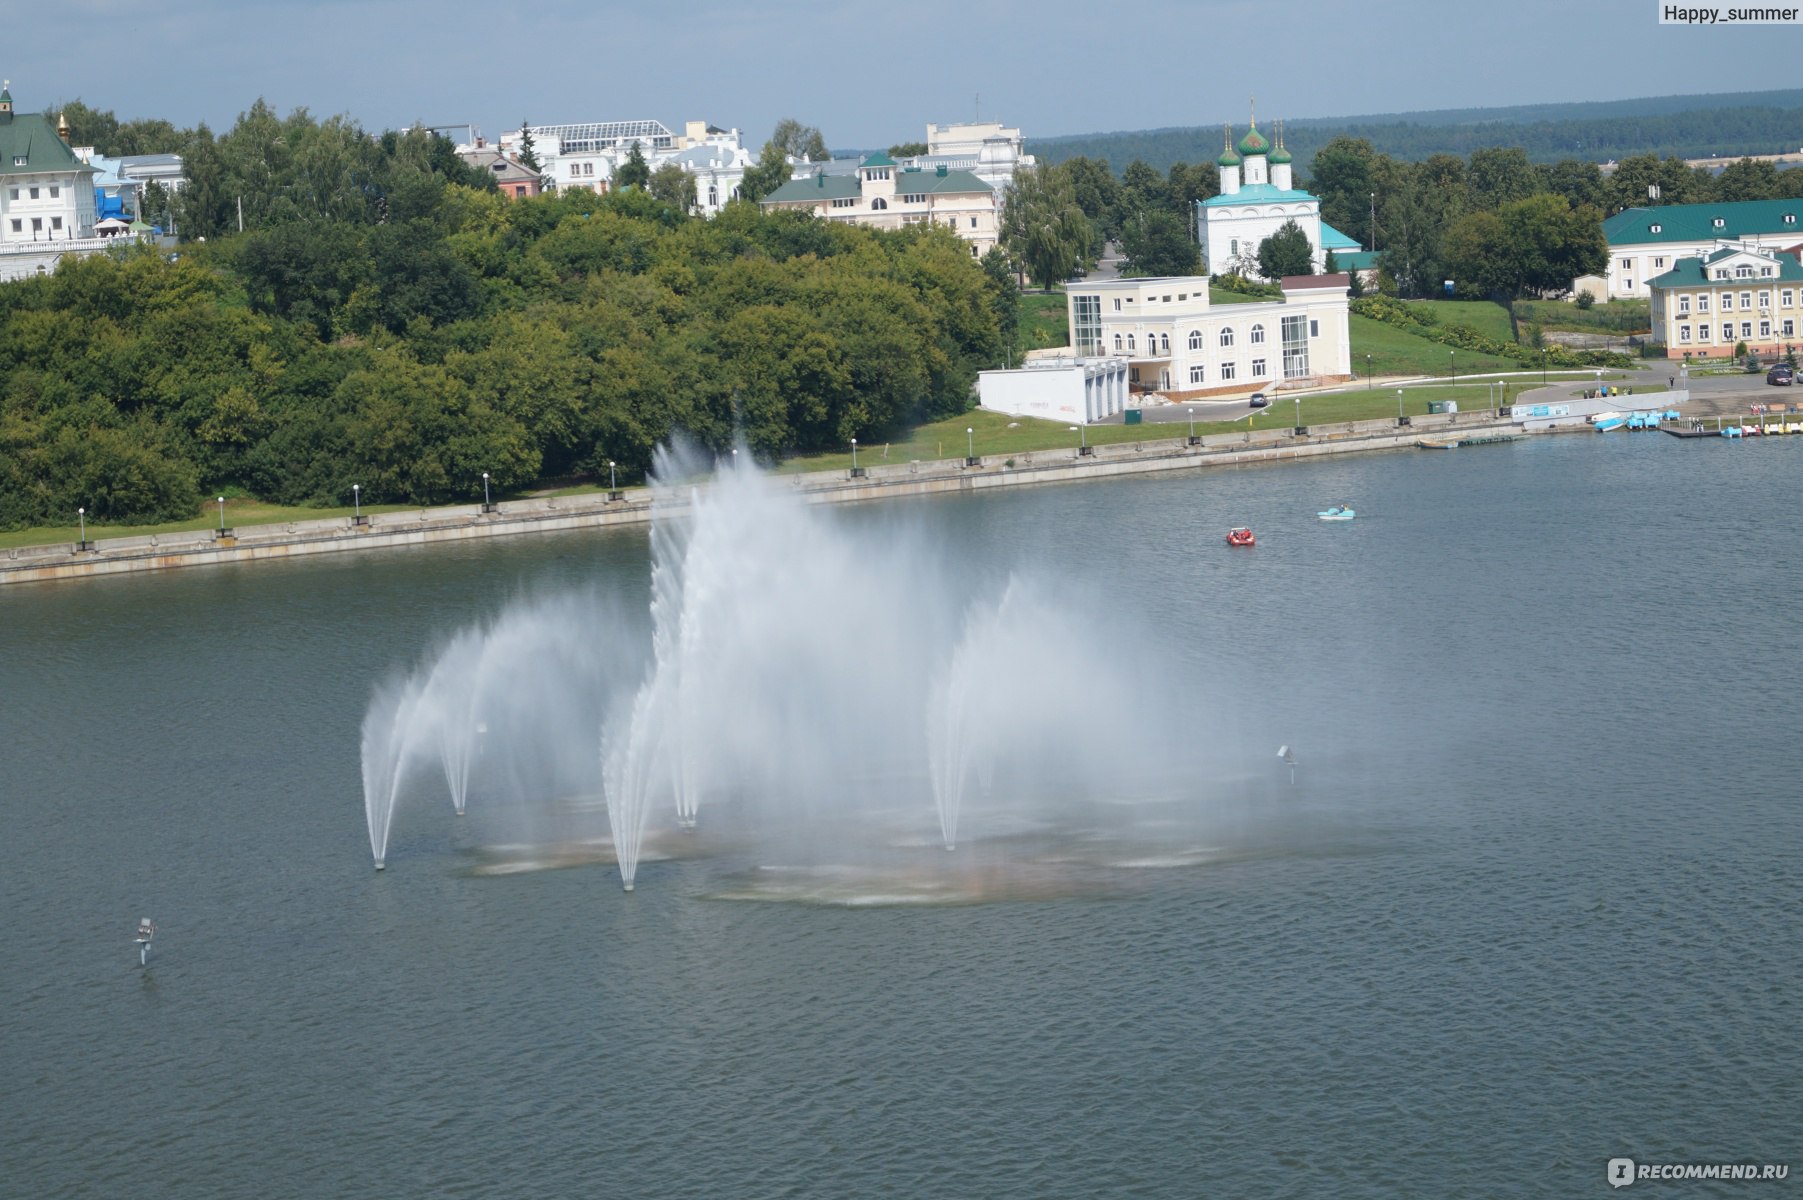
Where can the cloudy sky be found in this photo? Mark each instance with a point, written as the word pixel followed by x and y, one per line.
pixel 868 74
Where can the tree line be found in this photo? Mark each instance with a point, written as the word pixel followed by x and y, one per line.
pixel 387 322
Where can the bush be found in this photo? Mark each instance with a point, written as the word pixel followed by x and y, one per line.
pixel 1585 300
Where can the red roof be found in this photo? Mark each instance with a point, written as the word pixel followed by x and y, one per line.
pixel 1297 283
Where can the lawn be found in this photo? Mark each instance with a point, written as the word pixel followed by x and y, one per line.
pixel 1491 320
pixel 1395 352
pixel 1043 323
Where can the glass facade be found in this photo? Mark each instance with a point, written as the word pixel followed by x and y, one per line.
pixel 1086 322
pixel 1295 347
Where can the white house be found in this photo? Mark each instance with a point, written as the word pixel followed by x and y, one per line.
pixel 47 205
pixel 986 149
pixel 1257 197
pixel 588 155
pixel 1645 243
pixel 1179 343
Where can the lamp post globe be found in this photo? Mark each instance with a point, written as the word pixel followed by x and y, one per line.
pixel 854 454
pixel 222 514
pixel 970 442
pixel 485 489
pixel 82 513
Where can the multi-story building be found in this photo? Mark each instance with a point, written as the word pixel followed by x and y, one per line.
pixel 1178 342
pixel 1704 306
pixel 512 178
pixel 1645 243
pixel 47 206
pixel 884 195
pixel 587 156
pixel 986 149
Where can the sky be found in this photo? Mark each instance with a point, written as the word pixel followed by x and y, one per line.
pixel 866 74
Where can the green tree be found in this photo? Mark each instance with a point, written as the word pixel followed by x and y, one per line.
pixel 800 141
pixel 673 186
pixel 1500 175
pixel 1098 193
pixel 770 172
pixel 528 149
pixel 1158 242
pixel 633 173
pixel 1344 175
pixel 1286 252
pixel 1043 229
pixel 908 150
pixel 1535 246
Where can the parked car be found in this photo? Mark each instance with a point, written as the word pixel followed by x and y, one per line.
pixel 1783 375
pixel 1259 400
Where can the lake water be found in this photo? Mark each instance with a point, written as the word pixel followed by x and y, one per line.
pixel 1532 901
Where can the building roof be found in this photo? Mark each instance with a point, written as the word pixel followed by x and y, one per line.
pixel 911 181
pixel 1309 283
pixel 940 179
pixel 29 146
pixel 1356 260
pixel 1257 193
pixel 878 159
pixel 815 188
pixel 1333 239
pixel 1697 222
pixel 1254 142
pixel 1690 272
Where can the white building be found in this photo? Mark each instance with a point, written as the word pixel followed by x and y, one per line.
pixel 1084 390
pixel 47 206
pixel 986 149
pixel 1178 343
pixel 1645 243
pixel 588 155
pixel 880 193
pixel 1258 196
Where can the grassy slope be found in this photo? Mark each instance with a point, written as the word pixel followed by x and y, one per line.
pixel 1042 321
pixel 1395 352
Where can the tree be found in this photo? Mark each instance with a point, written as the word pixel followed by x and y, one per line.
pixel 674 186
pixel 633 172
pixel 1098 193
pixel 1344 175
pixel 528 154
pixel 800 141
pixel 1043 229
pixel 771 171
pixel 1286 252
pixel 1500 175
pixel 908 150
pixel 1535 246
pixel 1158 242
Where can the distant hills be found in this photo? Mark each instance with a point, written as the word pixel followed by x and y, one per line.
pixel 1695 126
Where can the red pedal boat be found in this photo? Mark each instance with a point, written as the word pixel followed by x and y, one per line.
pixel 1241 537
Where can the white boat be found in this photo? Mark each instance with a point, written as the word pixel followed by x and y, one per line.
pixel 1604 422
pixel 1338 512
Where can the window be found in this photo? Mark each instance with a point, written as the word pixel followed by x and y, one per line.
pixel 1314 328
pixel 1627 264
pixel 1727 301
pixel 1130 345
pixel 1659 264
pixel 1258 335
pixel 914 198
pixel 1683 333
pixel 1295 346
pixel 1227 372
pixel 1789 327
pixel 973 252
pixel 1683 304
pixel 1227 336
pixel 1086 323
pixel 713 195
pixel 1765 329
pixel 1195 339
pixel 1746 329
pixel 1117 304
pixel 1719 223
pixel 1765 272
pixel 34 193
pixel 56 222
pixel 37 224
pixel 1746 301
pixel 1790 218
pixel 1655 229
pixel 1703 302
pixel 18 225
pixel 878 204
pixel 1197 375
pixel 845 202
pixel 19 160
pixel 973 222
pixel 1258 368
pixel 1743 271
pixel 1167 299
pixel 1164 343
pixel 1233 247
pixel 1627 283
pixel 1721 273
pixel 55 191
pixel 1702 333
pixel 1784 298
pixel 1765 299
pixel 1117 341
pixel 1183 295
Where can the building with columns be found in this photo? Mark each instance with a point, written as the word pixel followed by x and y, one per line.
pixel 47 205
pixel 1258 194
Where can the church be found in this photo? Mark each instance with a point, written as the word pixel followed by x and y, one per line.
pixel 1257 197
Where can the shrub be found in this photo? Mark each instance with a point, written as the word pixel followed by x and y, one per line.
pixel 1585 300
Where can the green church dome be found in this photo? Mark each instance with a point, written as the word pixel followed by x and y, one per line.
pixel 1228 158
pixel 1280 155
pixel 1254 142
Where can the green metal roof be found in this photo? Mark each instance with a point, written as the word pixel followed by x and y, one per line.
pixel 1333 239
pixel 1697 222
pixel 1256 193
pixel 1355 260
pixel 817 188
pixel 1690 272
pixel 31 137
pixel 879 159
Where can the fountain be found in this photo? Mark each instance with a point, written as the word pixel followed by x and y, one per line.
pixel 823 682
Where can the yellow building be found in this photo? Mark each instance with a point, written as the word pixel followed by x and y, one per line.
pixel 1703 307
pixel 884 195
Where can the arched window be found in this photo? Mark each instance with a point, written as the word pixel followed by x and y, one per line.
pixel 1195 339
pixel 879 202
pixel 1130 345
pixel 1117 341
pixel 1164 343
pixel 1227 335
pixel 1258 335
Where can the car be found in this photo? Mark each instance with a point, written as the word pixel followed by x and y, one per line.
pixel 1259 400
pixel 1782 375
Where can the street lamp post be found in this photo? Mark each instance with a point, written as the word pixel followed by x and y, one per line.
pixel 857 472
pixel 1452 359
pixel 970 446
pixel 1192 424
pixel 613 481
pixel 1400 418
pixel 1368 382
pixel 223 532
pixel 1300 429
pixel 1082 432
pixel 486 506
pixel 82 513
pixel 356 504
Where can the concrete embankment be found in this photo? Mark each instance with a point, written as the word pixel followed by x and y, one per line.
pixel 424 527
